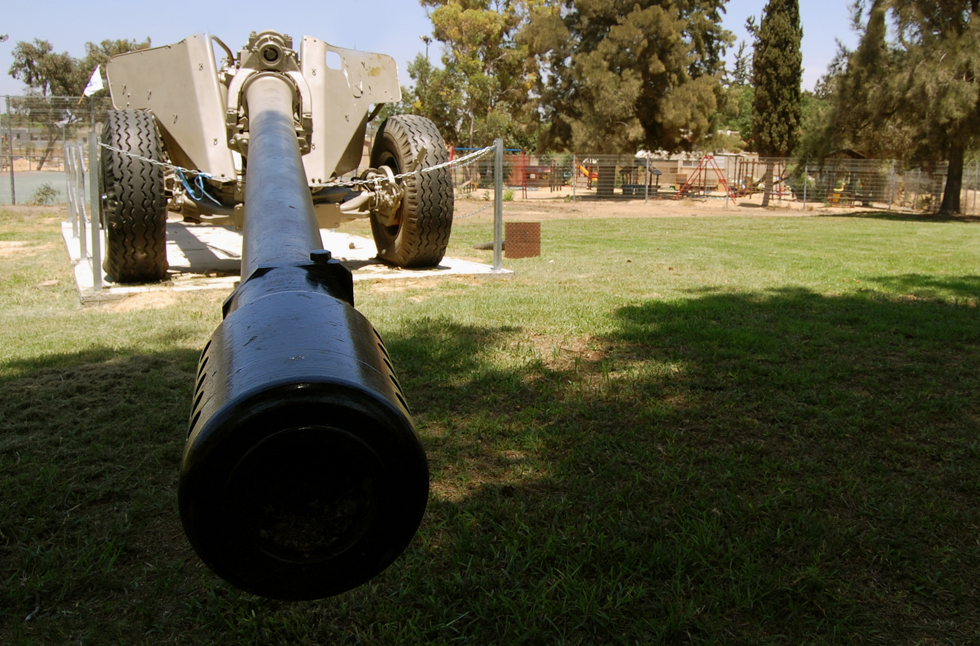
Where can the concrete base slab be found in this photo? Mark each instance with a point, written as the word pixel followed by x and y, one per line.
pixel 202 256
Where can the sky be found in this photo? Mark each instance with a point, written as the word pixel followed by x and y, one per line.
pixel 390 27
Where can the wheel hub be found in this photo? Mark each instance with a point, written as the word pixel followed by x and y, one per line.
pixel 387 195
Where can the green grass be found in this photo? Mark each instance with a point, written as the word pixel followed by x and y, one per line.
pixel 732 430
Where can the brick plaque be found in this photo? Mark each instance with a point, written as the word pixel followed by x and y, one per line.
pixel 522 239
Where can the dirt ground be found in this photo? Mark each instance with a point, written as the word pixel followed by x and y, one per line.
pixel 582 208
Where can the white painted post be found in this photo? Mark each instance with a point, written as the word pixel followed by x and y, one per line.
pixel 78 195
pixel 10 149
pixel 69 197
pixel 95 204
pixel 498 205
pixel 806 182
pixel 646 184
pixel 976 185
pixel 574 174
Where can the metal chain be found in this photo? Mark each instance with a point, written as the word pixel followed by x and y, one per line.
pixel 472 213
pixel 165 165
pixel 467 160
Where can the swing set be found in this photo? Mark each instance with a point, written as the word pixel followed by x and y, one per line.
pixel 698 180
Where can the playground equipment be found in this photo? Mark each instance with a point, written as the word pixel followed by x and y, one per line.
pixel 639 178
pixel 750 177
pixel 302 475
pixel 699 179
pixel 589 174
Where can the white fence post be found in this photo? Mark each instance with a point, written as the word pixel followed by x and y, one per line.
pixel 806 182
pixel 78 195
pixel 69 191
pixel 95 201
pixel 10 150
pixel 646 184
pixel 574 174
pixel 498 205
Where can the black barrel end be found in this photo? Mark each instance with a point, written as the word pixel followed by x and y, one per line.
pixel 302 476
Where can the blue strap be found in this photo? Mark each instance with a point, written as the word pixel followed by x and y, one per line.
pixel 202 192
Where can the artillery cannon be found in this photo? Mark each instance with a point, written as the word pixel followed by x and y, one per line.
pixel 302 475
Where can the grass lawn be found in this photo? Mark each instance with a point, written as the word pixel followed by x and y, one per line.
pixel 725 430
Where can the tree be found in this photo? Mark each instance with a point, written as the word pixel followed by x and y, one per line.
pixel 741 74
pixel 618 75
pixel 911 91
pixel 736 112
pixel 46 72
pixel 938 44
pixel 862 89
pixel 481 92
pixel 777 76
pixel 50 74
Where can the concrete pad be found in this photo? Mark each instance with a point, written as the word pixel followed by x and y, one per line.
pixel 202 256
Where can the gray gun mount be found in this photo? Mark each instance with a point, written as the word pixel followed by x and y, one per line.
pixel 189 156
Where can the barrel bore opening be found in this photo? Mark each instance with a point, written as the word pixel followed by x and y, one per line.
pixel 306 495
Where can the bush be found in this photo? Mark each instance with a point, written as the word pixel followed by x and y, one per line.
pixel 45 194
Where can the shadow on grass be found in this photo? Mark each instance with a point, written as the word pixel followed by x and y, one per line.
pixel 778 467
pixel 89 453
pixel 921 286
pixel 728 469
pixel 904 216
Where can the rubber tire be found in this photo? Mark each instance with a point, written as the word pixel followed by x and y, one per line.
pixel 425 218
pixel 134 206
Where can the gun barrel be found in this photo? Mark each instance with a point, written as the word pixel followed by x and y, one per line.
pixel 276 192
pixel 302 475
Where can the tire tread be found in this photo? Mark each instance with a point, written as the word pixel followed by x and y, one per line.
pixel 134 205
pixel 427 208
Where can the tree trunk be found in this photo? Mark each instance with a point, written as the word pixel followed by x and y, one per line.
pixel 607 181
pixel 48 150
pixel 954 179
pixel 770 167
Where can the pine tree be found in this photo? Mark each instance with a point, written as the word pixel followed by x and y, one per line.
pixel 481 91
pixel 914 96
pixel 619 75
pixel 938 47
pixel 777 77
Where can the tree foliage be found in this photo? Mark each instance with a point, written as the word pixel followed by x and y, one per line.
pixel 49 73
pixel 481 91
pixel 45 71
pixel 736 111
pixel 618 75
pixel 910 90
pixel 777 77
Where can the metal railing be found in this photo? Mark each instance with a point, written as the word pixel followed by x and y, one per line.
pixel 82 190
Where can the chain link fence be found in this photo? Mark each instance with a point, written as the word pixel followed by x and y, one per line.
pixel 33 133
pixel 718 179
pixel 34 130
